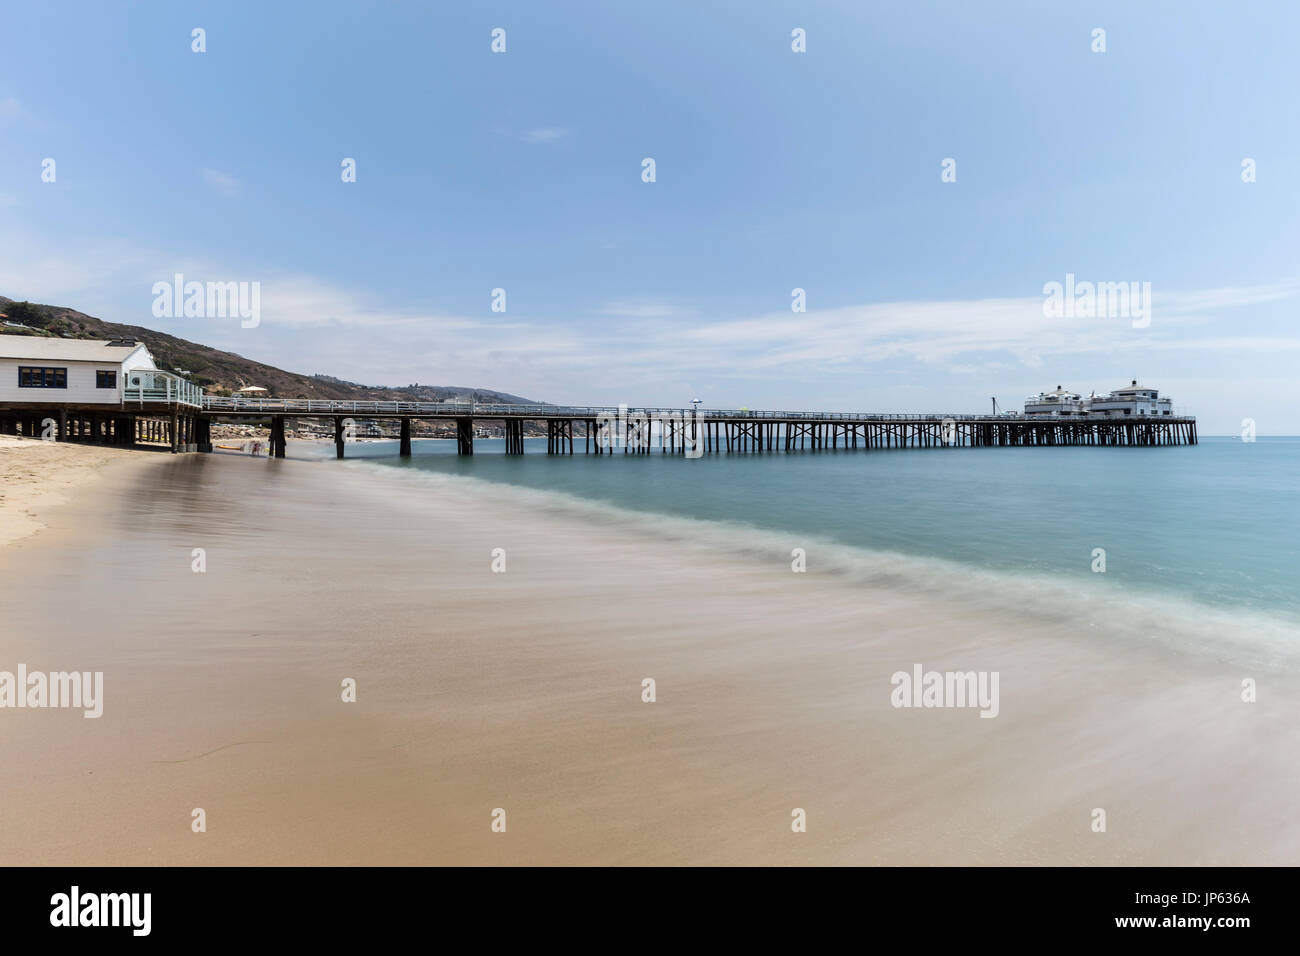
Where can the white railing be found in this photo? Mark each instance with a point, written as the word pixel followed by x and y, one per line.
pixel 154 386
pixel 312 406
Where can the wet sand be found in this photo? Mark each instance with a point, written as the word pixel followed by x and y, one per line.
pixel 522 690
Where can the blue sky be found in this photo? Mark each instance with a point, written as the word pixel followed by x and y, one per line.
pixel 775 170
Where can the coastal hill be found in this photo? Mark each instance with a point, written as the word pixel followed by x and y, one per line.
pixel 223 372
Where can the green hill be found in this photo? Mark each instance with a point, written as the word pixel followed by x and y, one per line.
pixel 221 372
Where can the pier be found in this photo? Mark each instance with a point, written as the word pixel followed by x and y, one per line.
pixel 185 425
pixel 605 429
pixel 622 430
pixel 113 392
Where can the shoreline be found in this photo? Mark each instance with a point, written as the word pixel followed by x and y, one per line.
pixel 1271 639
pixel 522 690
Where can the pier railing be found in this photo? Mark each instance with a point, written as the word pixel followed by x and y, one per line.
pixel 153 386
pixel 304 406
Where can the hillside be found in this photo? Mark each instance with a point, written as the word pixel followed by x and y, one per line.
pixel 222 372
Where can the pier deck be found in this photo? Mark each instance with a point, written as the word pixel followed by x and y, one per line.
pixel 185 425
pixel 611 429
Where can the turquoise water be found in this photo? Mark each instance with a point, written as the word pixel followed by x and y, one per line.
pixel 1215 523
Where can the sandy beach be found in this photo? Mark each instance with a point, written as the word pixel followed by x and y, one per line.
pixel 38 476
pixel 522 690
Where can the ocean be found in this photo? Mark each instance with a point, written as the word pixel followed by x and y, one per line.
pixel 1212 524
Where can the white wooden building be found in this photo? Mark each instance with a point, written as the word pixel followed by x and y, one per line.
pixel 1061 402
pixel 1132 401
pixel 41 371
pixel 98 391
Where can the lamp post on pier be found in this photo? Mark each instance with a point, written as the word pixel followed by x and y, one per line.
pixel 695 426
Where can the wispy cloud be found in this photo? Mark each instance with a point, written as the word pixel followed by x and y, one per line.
pixel 538 135
pixel 10 108
pixel 546 134
pixel 223 183
pixel 316 324
pixel 643 310
pixel 978 337
pixel 980 330
pixel 77 274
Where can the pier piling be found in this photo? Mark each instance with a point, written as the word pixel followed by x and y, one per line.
pixel 465 436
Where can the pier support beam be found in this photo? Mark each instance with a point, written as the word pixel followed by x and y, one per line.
pixel 338 437
pixel 514 431
pixel 464 436
pixel 405 445
pixel 558 432
pixel 203 434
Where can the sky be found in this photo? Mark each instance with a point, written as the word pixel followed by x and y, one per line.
pixel 775 170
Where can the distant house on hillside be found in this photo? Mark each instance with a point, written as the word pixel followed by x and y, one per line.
pixel 13 325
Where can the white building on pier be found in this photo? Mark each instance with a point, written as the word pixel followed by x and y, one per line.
pixel 1132 401
pixel 1061 403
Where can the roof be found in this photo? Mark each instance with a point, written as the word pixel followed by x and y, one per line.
pixel 63 350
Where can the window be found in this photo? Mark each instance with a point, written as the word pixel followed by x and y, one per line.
pixel 105 379
pixel 32 377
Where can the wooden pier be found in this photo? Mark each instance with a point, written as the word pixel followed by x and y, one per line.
pixel 694 432
pixel 607 429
